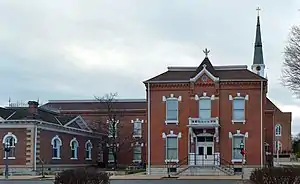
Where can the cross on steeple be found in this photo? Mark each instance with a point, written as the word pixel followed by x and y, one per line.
pixel 258 9
pixel 206 52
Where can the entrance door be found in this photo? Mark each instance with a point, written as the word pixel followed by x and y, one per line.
pixel 205 150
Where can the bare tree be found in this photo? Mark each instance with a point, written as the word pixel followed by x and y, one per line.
pixel 291 64
pixel 112 123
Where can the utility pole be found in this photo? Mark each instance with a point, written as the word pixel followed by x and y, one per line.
pixel 242 145
pixel 6 149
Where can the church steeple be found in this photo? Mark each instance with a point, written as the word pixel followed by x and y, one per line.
pixel 258 65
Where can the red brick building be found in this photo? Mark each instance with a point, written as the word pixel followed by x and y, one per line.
pixel 130 126
pixel 202 116
pixel 41 136
pixel 191 117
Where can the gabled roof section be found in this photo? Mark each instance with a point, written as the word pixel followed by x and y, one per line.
pixel 207 65
pixel 271 106
pixel 205 68
pixel 78 123
pixel 6 113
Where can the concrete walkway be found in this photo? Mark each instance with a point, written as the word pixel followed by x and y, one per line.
pixel 134 177
pixel 48 177
pixel 146 177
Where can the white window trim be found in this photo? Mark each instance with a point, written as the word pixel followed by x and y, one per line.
pixel 9 134
pixel 204 71
pixel 75 149
pixel 137 121
pixel 90 150
pixel 238 133
pixel 238 96
pixel 59 146
pixel 280 130
pixel 164 136
pixel 278 142
pixel 116 127
pixel 137 144
pixel 172 97
pixel 204 96
pixel 107 145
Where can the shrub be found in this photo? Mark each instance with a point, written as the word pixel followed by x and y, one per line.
pixel 82 176
pixel 276 175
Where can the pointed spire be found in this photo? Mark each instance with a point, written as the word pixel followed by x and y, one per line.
pixel 258 58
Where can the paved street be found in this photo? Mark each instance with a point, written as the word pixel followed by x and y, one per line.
pixel 136 182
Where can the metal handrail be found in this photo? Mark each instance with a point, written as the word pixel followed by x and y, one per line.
pixel 205 160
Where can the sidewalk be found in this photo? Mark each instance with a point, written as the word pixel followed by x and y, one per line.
pixel 48 177
pixel 146 177
pixel 134 177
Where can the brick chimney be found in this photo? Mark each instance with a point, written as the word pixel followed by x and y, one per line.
pixel 33 107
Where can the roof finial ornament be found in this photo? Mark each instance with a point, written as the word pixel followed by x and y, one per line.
pixel 258 9
pixel 206 52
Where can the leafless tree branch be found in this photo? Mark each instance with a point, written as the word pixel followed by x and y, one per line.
pixel 112 124
pixel 291 65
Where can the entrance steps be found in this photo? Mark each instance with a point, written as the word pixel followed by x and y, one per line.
pixel 202 171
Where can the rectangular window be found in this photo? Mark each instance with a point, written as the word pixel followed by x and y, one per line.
pixel 205 108
pixel 137 153
pixel 112 129
pixel 238 112
pixel 172 148
pixel 236 149
pixel 172 109
pixel 137 128
pixel 110 155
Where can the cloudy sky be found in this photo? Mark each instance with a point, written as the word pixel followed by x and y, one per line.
pixel 74 49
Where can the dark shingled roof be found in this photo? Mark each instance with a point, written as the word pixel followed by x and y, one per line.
pixel 223 74
pixel 96 105
pixel 22 113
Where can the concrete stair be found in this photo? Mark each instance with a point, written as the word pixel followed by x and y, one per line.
pixel 201 171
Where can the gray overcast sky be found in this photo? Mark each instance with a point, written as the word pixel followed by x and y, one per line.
pixel 74 49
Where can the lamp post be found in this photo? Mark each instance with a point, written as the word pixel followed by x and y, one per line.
pixel 6 150
pixel 242 145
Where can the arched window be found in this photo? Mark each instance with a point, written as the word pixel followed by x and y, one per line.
pixel 88 150
pixel 278 130
pixel 56 144
pixel 74 148
pixel 10 140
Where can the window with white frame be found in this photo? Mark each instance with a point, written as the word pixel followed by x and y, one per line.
pixel 74 148
pixel 238 111
pixel 278 130
pixel 137 153
pixel 172 109
pixel 172 148
pixel 10 141
pixel 137 128
pixel 236 147
pixel 278 146
pixel 56 144
pixel 237 140
pixel 111 157
pixel 113 128
pixel 88 150
pixel 205 108
pixel 171 153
